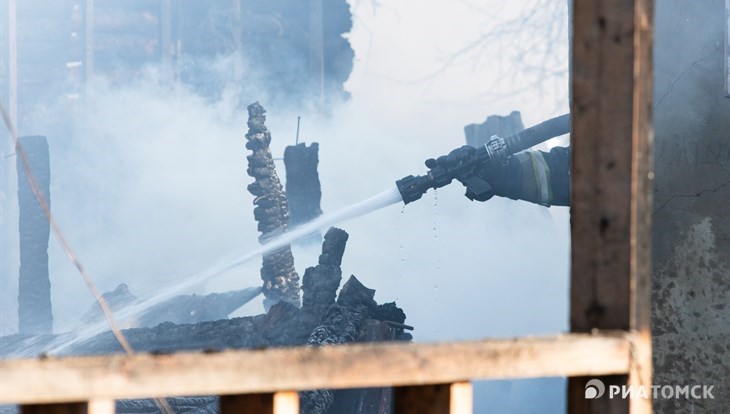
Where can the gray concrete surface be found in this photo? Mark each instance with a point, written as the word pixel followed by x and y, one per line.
pixel 691 283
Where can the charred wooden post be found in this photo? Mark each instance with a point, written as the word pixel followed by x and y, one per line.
pixel 320 282
pixel 35 315
pixel 349 320
pixel 281 281
pixel 303 190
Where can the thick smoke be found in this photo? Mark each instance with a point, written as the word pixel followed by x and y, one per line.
pixel 150 185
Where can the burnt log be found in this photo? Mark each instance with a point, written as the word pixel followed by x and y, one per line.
pixel 181 309
pixel 342 323
pixel 35 315
pixel 281 281
pixel 353 317
pixel 366 400
pixel 303 189
pixel 320 282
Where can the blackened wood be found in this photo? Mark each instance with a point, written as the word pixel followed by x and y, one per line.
pixel 281 281
pixel 303 190
pixel 35 315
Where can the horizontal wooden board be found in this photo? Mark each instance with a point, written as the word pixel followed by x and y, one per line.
pixel 347 366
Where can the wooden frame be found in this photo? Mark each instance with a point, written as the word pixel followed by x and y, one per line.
pixel 611 189
pixel 611 340
pixel 301 368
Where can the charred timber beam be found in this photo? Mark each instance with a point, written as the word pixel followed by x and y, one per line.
pixel 281 281
pixel 320 282
pixel 35 315
pixel 303 189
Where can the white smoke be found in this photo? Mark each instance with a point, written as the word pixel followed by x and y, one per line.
pixel 150 185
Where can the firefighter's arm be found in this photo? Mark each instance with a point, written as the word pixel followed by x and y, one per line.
pixel 535 176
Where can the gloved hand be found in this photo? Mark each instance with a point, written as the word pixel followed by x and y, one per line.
pixel 478 179
pixel 455 158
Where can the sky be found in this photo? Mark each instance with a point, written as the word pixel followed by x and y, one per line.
pixel 155 191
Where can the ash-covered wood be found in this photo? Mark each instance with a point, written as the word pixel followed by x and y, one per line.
pixel 353 316
pixel 320 282
pixel 180 309
pixel 349 320
pixel 281 281
pixel 303 189
pixel 35 315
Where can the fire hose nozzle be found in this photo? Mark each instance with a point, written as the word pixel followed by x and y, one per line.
pixel 413 188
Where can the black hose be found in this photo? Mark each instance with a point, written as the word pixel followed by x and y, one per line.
pixel 537 134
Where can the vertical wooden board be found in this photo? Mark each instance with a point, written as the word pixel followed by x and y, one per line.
pixel 462 398
pixel 68 408
pixel 642 177
pixel 247 403
pixel 286 402
pixel 601 164
pixel 102 407
pixel 579 403
pixel 424 399
pixel 611 187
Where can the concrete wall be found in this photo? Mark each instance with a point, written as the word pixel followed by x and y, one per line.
pixel 691 284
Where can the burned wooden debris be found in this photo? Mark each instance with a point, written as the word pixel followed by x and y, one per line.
pixel 281 281
pixel 325 318
pixel 35 315
pixel 181 309
pixel 320 283
pixel 303 189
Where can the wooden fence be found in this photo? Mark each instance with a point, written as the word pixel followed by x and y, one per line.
pixel 610 338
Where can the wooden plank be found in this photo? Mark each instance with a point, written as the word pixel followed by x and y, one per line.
pixel 247 403
pixel 68 408
pixel 611 187
pixel 105 406
pixel 453 398
pixel 462 398
pixel 350 366
pixel 286 402
pixel 424 399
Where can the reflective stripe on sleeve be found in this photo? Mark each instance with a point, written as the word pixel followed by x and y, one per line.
pixel 542 177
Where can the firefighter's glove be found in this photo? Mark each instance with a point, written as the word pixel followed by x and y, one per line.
pixel 462 165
